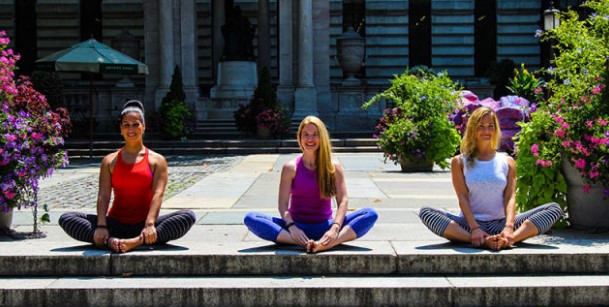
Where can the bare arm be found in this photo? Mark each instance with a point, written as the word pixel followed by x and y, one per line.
pixel 509 201
pixel 159 183
pixel 285 185
pixel 342 201
pixel 103 197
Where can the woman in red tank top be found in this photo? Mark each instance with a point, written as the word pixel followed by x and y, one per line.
pixel 138 177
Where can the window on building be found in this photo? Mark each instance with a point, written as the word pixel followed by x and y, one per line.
pixel 419 32
pixel 485 35
pixel 91 19
pixel 25 35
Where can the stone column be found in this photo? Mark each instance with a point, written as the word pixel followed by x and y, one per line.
pixel 188 62
pixel 218 19
pixel 285 90
pixel 166 59
pixel 151 52
pixel 321 51
pixel 306 95
pixel 264 34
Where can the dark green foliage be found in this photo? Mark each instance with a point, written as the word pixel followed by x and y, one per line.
pixel 176 89
pixel 264 99
pixel 50 85
pixel 500 73
pixel 174 113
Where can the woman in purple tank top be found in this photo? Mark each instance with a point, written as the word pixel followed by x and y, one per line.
pixel 307 186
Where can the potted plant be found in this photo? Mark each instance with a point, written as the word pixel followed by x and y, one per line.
pixel 263 115
pixel 569 133
pixel 272 122
pixel 31 138
pixel 416 132
pixel 175 121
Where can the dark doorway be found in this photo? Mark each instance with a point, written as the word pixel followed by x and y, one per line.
pixel 25 35
pixel 419 32
pixel 485 39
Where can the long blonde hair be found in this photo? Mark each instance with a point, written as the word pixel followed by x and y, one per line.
pixel 325 167
pixel 468 144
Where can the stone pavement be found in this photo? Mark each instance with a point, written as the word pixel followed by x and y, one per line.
pixel 219 262
pixel 221 189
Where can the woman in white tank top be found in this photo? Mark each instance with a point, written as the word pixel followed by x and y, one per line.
pixel 485 183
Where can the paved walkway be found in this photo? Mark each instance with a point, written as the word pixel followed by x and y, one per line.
pixel 221 189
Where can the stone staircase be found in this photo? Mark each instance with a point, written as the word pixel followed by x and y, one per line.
pixel 364 273
pixel 80 147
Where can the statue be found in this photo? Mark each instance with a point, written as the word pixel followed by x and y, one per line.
pixel 238 35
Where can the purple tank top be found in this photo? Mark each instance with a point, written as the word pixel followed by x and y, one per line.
pixel 306 204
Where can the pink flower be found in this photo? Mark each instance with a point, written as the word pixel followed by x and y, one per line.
pixel 602 122
pixel 566 144
pixel 596 90
pixel 9 194
pixel 589 124
pixel 593 174
pixel 534 149
pixel 586 188
pixel 560 133
pixel 580 163
pixel 537 90
pixel 565 125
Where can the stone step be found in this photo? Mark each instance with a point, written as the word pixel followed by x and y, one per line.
pixel 80 147
pixel 395 258
pixel 557 290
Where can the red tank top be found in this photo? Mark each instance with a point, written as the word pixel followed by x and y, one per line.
pixel 132 186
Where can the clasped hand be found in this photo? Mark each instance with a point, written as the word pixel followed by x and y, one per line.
pixel 149 234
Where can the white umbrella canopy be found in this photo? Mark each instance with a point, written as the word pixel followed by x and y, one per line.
pixel 91 57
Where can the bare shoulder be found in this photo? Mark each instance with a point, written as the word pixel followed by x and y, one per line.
pixel 510 161
pixel 338 166
pixel 289 167
pixel 156 158
pixel 110 159
pixel 456 161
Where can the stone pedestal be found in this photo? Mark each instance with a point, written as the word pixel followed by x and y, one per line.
pixel 350 115
pixel 237 81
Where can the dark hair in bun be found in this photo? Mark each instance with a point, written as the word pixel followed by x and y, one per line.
pixel 133 106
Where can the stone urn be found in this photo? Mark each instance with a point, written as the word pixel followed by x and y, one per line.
pixel 587 210
pixel 6 220
pixel 351 49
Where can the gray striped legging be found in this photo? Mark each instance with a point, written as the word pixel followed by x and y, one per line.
pixel 81 226
pixel 543 217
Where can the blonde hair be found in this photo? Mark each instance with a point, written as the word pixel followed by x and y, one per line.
pixel 325 167
pixel 468 144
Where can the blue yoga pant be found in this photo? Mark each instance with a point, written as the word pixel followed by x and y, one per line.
pixel 81 226
pixel 543 217
pixel 268 227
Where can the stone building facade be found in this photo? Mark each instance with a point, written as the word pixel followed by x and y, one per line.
pixel 296 39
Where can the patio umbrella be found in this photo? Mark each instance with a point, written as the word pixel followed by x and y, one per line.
pixel 91 57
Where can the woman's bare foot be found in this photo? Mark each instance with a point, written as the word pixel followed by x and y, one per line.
pixel 115 244
pixel 130 244
pixel 318 247
pixel 310 246
pixel 496 242
pixel 492 243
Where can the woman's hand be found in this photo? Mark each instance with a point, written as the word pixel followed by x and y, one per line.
pixel 100 236
pixel 478 236
pixel 329 236
pixel 298 235
pixel 149 234
pixel 508 235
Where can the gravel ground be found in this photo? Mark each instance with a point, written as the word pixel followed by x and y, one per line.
pixel 184 171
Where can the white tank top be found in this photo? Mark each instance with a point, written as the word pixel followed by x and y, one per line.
pixel 486 182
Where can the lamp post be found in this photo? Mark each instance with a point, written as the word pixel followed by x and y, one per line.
pixel 551 20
